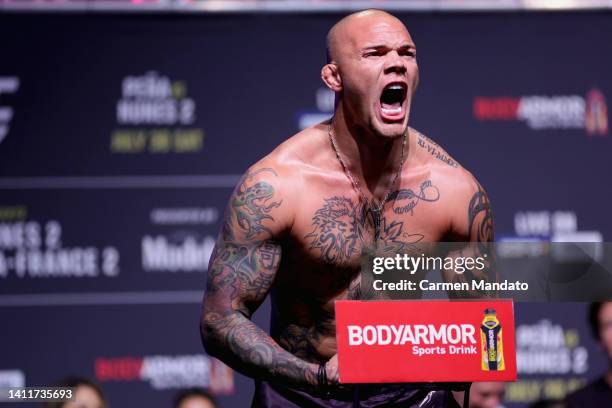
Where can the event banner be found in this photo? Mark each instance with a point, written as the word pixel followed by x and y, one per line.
pixel 425 341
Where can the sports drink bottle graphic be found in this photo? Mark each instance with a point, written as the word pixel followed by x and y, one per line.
pixel 492 343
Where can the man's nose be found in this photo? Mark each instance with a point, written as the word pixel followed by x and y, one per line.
pixel 395 63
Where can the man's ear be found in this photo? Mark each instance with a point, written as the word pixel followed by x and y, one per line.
pixel 331 76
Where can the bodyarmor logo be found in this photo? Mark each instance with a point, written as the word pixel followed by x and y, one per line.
pixel 541 112
pixel 165 372
pixel 8 85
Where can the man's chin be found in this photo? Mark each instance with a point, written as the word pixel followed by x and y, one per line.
pixel 391 130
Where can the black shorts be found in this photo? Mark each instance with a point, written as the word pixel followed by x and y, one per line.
pixel 268 395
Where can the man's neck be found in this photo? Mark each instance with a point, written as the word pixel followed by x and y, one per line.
pixel 372 159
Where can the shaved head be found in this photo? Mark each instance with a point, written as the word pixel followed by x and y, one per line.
pixel 371 66
pixel 342 30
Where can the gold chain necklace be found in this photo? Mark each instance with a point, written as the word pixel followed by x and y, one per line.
pixel 375 209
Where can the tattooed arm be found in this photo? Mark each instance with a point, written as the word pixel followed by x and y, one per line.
pixel 472 230
pixel 240 275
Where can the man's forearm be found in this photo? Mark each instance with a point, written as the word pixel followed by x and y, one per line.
pixel 245 347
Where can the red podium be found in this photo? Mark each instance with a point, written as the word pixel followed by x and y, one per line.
pixel 425 341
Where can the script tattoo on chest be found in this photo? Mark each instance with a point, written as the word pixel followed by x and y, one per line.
pixel 342 228
pixel 427 192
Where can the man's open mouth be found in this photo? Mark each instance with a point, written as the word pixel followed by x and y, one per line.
pixel 392 100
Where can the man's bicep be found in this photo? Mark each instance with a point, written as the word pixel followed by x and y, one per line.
pixel 247 255
pixel 471 212
pixel 240 275
pixel 480 216
pixel 473 230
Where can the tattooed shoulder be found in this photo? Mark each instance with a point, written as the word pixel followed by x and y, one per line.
pixel 480 216
pixel 249 211
pixel 433 149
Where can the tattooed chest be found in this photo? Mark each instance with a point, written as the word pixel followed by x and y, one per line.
pixel 343 229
